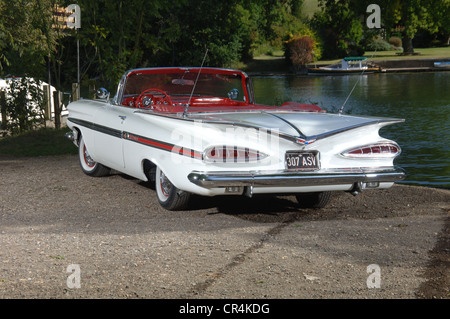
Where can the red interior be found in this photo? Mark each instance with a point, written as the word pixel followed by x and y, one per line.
pixel 198 104
pixel 204 103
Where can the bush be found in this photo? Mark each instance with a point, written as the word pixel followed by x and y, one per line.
pixel 302 49
pixel 23 104
pixel 395 41
pixel 379 45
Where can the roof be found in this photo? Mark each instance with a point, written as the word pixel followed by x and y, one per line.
pixel 358 58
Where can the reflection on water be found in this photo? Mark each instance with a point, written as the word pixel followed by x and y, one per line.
pixel 422 99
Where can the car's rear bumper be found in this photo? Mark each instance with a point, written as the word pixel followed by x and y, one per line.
pixel 296 178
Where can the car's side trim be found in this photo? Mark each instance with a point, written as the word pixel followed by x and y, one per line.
pixel 162 145
pixel 139 139
pixel 97 127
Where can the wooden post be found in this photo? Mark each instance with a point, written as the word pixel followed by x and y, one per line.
pixel 92 91
pixel 48 106
pixel 3 109
pixel 57 104
pixel 75 92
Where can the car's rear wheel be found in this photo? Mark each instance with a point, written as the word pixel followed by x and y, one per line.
pixel 88 165
pixel 169 197
pixel 313 200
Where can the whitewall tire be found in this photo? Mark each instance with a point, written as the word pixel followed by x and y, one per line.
pixel 169 197
pixel 88 165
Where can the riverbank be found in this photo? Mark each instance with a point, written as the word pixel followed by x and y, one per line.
pixel 388 61
pixel 412 65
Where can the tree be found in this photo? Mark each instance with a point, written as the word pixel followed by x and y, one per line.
pixel 24 104
pixel 117 35
pixel 339 25
pixel 441 16
pixel 412 16
pixel 26 35
pixel 302 48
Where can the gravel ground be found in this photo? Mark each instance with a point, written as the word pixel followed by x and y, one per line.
pixel 56 221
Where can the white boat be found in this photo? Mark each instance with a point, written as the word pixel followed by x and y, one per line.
pixel 348 65
pixel 444 64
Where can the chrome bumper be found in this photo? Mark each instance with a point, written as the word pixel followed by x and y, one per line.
pixel 296 178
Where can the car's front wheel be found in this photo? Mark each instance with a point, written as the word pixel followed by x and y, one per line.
pixel 169 197
pixel 88 165
pixel 313 200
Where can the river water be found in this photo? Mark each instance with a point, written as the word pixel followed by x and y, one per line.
pixel 422 99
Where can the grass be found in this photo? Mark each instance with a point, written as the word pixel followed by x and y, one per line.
pixel 423 53
pixel 43 142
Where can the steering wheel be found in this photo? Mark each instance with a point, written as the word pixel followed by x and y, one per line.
pixel 152 101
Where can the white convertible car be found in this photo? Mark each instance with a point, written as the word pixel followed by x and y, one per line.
pixel 200 131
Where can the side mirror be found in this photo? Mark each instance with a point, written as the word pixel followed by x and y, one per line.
pixel 102 94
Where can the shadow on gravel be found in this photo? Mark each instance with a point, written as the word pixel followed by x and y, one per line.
pixel 258 209
pixel 437 273
pixel 398 201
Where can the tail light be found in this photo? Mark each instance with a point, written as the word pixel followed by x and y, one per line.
pixel 232 154
pixel 378 150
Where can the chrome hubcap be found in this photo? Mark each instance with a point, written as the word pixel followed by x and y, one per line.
pixel 88 159
pixel 166 185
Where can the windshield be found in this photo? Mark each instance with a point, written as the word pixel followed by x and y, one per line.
pixel 182 84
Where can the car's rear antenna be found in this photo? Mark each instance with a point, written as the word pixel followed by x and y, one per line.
pixel 354 86
pixel 193 88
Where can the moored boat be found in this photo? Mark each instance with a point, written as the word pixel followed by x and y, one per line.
pixel 443 64
pixel 348 65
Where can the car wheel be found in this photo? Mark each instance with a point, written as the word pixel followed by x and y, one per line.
pixel 88 165
pixel 169 197
pixel 313 200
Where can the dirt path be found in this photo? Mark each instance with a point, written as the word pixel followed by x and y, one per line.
pixel 67 235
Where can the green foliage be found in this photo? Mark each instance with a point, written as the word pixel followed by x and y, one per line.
pixel 413 16
pixel 120 35
pixel 395 41
pixel 343 32
pixel 339 26
pixel 26 35
pixel 379 45
pixel 117 35
pixel 24 105
pixel 42 142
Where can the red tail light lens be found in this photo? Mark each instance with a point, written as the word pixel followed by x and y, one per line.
pixel 232 154
pixel 374 151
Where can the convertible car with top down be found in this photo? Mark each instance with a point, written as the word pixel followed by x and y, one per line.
pixel 200 131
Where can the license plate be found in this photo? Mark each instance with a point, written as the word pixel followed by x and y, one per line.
pixel 302 160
